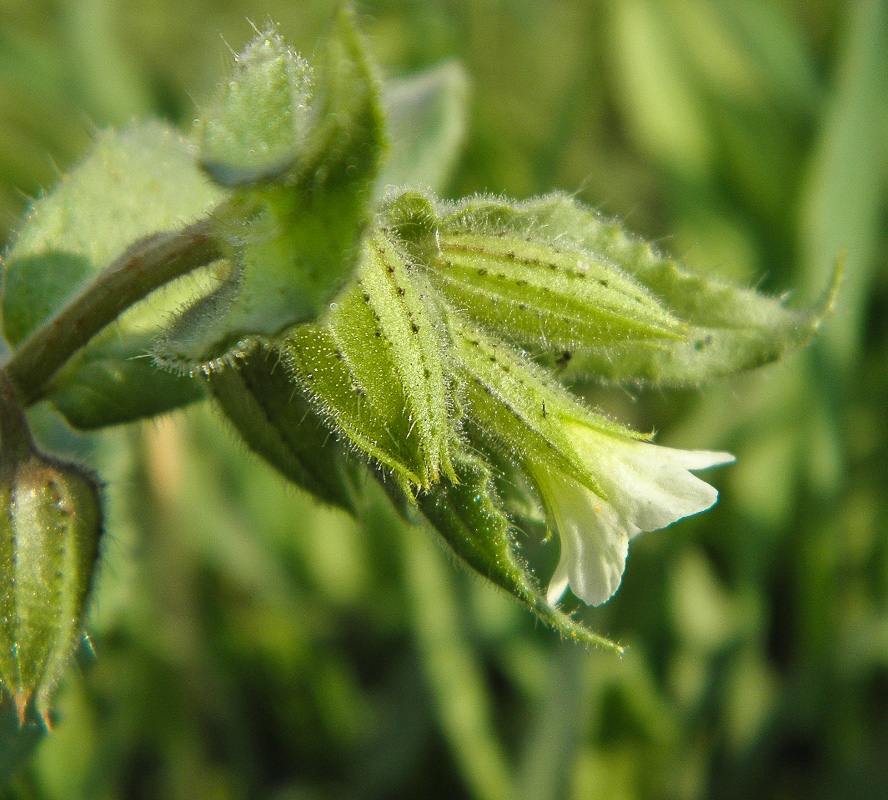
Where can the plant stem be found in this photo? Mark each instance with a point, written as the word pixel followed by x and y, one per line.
pixel 147 265
pixel 15 435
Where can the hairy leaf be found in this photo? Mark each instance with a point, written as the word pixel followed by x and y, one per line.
pixel 426 115
pixel 133 184
pixel 116 381
pixel 292 237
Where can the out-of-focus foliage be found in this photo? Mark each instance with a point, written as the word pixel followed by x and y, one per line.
pixel 250 643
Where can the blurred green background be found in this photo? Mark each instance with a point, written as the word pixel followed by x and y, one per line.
pixel 251 644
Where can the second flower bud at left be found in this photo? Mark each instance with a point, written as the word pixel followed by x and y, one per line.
pixel 50 526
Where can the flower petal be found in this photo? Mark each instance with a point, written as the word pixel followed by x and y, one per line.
pixel 647 487
pixel 650 485
pixel 594 540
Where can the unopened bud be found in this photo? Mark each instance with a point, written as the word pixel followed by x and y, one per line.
pixel 50 522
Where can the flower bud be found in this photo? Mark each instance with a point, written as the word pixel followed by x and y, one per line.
pixel 50 522
pixel 253 129
pixel 374 368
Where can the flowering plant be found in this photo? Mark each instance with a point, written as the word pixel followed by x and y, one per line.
pixel 347 322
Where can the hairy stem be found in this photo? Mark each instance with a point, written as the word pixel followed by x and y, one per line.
pixel 147 265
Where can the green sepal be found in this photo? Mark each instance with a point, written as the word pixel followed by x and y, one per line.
pixel 729 329
pixel 50 525
pixel 374 368
pixel 314 361
pixel 393 305
pixel 467 514
pixel 277 421
pixel 518 408
pixel 725 329
pixel 292 238
pixel 535 285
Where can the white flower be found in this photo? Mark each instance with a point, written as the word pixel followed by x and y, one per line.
pixel 647 487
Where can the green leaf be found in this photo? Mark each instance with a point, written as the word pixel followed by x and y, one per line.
pixel 133 184
pixel 661 102
pixel 36 286
pixel 275 418
pixel 774 39
pixel 454 668
pixel 116 381
pixel 292 241
pixel 426 116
